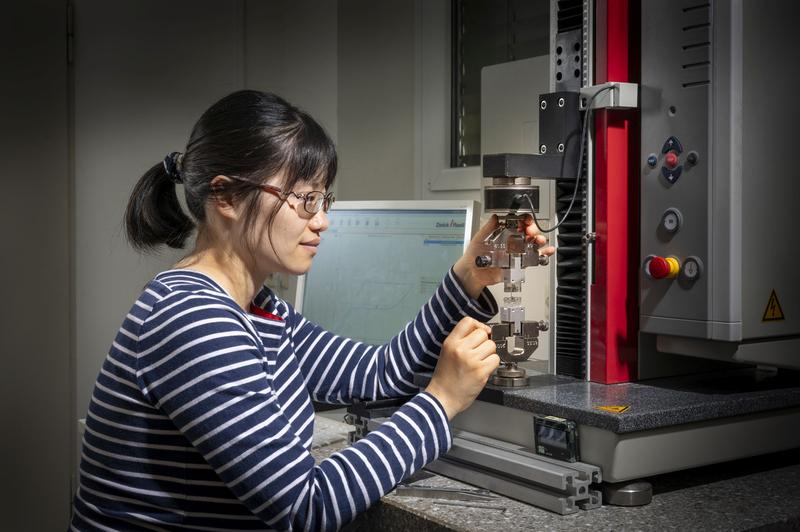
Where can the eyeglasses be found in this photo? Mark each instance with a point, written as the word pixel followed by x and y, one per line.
pixel 313 201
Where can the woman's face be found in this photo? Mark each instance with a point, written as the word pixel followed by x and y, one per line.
pixel 295 233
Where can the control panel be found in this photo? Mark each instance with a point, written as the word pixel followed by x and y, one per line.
pixel 682 169
pixel 718 191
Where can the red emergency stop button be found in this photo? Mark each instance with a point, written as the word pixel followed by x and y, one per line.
pixel 662 267
pixel 671 159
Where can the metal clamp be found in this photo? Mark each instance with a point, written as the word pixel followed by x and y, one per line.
pixel 525 342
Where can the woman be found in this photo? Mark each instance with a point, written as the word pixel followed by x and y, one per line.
pixel 201 416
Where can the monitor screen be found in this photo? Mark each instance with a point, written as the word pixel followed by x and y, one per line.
pixel 379 262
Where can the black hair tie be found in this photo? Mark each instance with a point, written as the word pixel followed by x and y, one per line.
pixel 171 163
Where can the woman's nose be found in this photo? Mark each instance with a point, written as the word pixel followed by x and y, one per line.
pixel 320 221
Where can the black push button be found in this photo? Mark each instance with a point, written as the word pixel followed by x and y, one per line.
pixel 672 144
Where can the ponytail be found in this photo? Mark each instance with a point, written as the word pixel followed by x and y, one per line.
pixel 154 216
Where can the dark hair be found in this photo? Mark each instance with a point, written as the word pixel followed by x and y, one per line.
pixel 248 135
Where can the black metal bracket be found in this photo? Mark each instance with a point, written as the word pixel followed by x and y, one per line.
pixel 559 143
pixel 359 413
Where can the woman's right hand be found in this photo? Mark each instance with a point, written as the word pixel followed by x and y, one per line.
pixel 467 360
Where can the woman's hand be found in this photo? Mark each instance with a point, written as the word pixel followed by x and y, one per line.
pixel 467 360
pixel 476 279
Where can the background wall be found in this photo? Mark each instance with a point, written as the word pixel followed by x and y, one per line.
pixel 376 99
pixel 290 48
pixel 35 381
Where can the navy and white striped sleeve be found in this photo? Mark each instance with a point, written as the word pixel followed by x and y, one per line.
pixel 200 362
pixel 339 370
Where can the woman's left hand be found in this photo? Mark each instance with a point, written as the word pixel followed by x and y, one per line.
pixel 476 279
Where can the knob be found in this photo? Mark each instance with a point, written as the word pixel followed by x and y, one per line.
pixel 662 267
pixel 692 157
pixel 482 261
pixel 652 160
pixel 671 220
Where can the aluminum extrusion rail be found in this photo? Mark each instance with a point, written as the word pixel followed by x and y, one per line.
pixel 518 473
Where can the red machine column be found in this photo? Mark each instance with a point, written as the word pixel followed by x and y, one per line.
pixel 614 292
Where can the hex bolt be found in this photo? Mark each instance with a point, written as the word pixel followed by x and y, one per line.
pixel 543 104
pixel 561 147
pixel 543 148
pixel 561 102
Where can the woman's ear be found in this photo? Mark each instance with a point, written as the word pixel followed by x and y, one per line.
pixel 222 200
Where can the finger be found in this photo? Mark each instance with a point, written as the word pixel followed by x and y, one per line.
pixel 487 228
pixel 485 350
pixel 465 326
pixel 526 222
pixel 481 325
pixel 476 338
pixel 549 250
pixel 492 361
pixel 532 231
pixel 540 240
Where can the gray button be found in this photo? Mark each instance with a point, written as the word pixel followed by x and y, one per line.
pixel 671 220
pixel 692 268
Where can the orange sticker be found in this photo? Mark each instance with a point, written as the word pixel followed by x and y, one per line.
pixel 614 409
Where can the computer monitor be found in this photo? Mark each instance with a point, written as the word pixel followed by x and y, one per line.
pixel 380 261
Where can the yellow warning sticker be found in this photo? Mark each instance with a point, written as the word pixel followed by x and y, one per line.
pixel 614 409
pixel 773 312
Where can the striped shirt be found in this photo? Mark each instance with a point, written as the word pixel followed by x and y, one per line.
pixel 201 416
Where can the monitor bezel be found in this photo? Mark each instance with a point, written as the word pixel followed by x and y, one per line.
pixel 472 221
